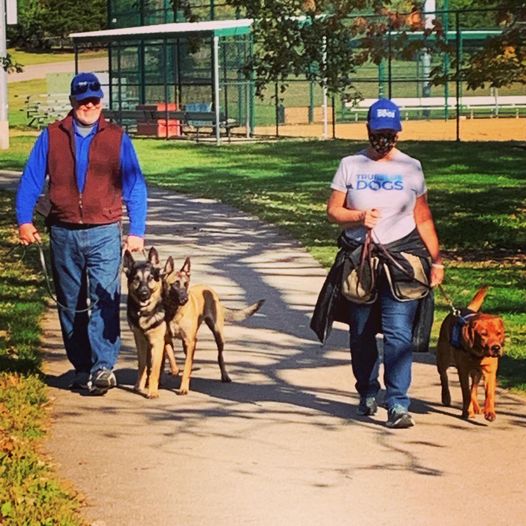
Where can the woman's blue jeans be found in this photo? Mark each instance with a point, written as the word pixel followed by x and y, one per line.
pixel 394 319
pixel 86 264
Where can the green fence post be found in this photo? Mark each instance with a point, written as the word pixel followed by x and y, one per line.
pixel 458 55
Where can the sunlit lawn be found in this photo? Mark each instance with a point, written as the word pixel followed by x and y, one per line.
pixel 476 192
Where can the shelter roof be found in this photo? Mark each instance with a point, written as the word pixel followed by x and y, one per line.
pixel 220 28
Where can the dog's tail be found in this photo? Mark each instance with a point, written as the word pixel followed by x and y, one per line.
pixel 242 314
pixel 478 299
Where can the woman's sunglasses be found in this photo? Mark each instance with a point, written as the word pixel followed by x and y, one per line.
pixel 82 87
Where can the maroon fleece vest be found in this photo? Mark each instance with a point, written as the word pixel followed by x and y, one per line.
pixel 101 200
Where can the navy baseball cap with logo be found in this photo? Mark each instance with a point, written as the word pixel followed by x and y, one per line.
pixel 86 86
pixel 384 115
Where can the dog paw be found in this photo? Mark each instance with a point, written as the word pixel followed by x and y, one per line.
pixel 490 416
pixel 446 398
pixel 152 394
pixel 226 379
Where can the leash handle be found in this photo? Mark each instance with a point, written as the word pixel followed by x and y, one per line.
pixel 365 257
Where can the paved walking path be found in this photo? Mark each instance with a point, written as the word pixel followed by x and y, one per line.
pixel 282 444
pixel 39 71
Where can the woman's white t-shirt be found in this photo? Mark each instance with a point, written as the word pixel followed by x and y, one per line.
pixel 391 186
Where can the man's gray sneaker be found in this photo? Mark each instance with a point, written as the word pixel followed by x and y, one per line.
pixel 367 406
pixel 101 381
pixel 399 419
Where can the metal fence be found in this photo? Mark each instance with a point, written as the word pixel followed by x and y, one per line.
pixel 172 73
pixel 448 111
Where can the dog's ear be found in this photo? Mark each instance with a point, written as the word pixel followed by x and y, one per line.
pixel 186 266
pixel 127 262
pixel 153 257
pixel 468 335
pixel 169 266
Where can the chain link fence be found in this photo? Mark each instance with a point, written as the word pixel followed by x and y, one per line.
pixel 174 73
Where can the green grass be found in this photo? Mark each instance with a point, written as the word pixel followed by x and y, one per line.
pixel 30 492
pixel 476 192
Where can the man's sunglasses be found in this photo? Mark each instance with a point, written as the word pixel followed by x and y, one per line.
pixel 82 87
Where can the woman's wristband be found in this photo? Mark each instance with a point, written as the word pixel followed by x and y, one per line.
pixel 437 265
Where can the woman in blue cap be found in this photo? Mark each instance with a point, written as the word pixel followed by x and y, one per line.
pixel 379 199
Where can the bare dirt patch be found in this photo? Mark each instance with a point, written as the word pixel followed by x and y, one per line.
pixel 496 129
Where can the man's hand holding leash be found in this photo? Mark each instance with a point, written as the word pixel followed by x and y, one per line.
pixel 28 234
pixel 134 244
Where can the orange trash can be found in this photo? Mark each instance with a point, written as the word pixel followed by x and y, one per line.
pixel 160 127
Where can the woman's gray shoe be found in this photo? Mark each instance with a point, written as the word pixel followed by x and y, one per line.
pixel 79 382
pixel 367 406
pixel 397 419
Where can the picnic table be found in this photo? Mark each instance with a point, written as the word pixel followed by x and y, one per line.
pixel 43 109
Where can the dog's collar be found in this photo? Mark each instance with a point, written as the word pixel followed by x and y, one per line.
pixel 456 330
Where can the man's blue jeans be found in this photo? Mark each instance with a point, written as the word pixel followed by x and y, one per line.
pixel 394 319
pixel 86 263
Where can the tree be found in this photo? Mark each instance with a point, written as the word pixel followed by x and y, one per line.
pixel 502 59
pixel 29 33
pixel 63 17
pixel 327 40
pixel 322 40
pixel 42 22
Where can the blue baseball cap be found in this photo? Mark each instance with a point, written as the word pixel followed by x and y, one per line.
pixel 384 115
pixel 85 86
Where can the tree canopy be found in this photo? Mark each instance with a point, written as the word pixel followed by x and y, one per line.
pixel 325 40
pixel 502 59
pixel 42 23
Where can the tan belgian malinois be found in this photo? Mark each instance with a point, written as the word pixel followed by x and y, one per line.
pixel 187 307
pixel 146 317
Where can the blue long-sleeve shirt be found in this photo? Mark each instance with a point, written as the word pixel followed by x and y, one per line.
pixel 134 192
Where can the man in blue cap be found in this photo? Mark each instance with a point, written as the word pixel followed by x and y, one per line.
pixel 379 198
pixel 92 169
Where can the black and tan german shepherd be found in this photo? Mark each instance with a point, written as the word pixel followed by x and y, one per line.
pixel 146 317
pixel 187 307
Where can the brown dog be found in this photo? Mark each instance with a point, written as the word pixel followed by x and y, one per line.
pixel 478 344
pixel 187 307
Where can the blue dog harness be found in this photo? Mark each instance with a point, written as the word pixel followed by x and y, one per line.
pixel 456 330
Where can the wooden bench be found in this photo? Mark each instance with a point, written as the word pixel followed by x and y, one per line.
pixel 190 120
pixel 468 105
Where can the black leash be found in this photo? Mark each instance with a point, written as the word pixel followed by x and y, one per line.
pixel 454 310
pixel 49 287
pixel 47 279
